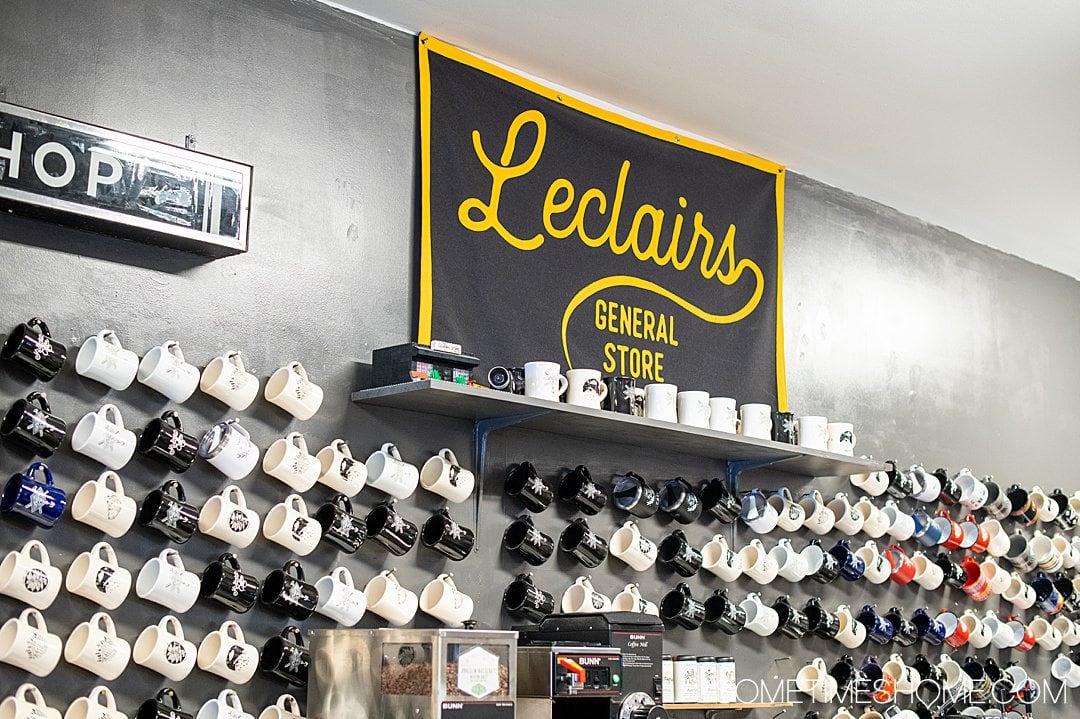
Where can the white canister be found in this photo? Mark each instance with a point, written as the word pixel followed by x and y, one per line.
pixel 687 680
pixel 729 684
pixel 667 680
pixel 708 681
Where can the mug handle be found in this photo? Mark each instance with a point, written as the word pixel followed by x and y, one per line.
pixel 170 620
pixel 103 621
pixel 44 468
pixel 391 449
pixel 297 571
pixel 563 384
pixel 298 369
pixel 343 575
pixel 296 502
pixel 42 552
pixel 109 336
pixel 173 348
pixel 231 699
pixel 448 455
pixel 171 556
pixel 236 426
pixel 293 631
pixel 297 440
pixel 230 559
pixel 39 619
pixel 111 409
pixel 343 447
pixel 176 487
pixel 40 324
pixel 342 502
pixel 33 692
pixel 103 691
pixel 42 402
pixel 232 630
pixel 104 550
pixel 173 418
pixel 170 694
pixel 233 358
pixel 288 703
pixel 603 391
pixel 448 579
pixel 104 478
pixel 235 495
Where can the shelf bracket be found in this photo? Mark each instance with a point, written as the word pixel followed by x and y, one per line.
pixel 481 429
pixel 737 467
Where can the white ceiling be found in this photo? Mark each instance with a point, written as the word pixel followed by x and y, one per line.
pixel 964 113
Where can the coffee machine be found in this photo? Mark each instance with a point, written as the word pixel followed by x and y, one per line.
pixel 602 666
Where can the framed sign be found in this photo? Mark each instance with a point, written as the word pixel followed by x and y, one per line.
pixel 554 230
pixel 120 184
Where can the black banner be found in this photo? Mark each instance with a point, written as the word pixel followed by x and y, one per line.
pixel 555 230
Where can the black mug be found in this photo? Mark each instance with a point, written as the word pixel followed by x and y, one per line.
pixel 390 529
pixel 931 674
pixel 623 396
pixel 524 600
pixel 225 583
pixel 783 427
pixel 31 347
pixel 829 569
pixel 579 541
pixel 164 439
pixel 286 657
pixel 900 485
pixel 676 552
pixel 847 674
pixel 166 510
pixel 441 533
pixel 1023 511
pixel 905 632
pixel 340 527
pixel 793 622
pixel 678 499
pixel 722 612
pixel 679 607
pixel 997 505
pixel 523 539
pixel 955 575
pixel 164 705
pixel 31 424
pixel 578 489
pixel 523 482
pixel 823 623
pixel 285 591
pixel 718 500
pixel 950 492
pixel 507 379
pixel 1066 519
pixel 634 495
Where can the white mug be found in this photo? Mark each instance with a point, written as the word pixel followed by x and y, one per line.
pixel 790 514
pixel 228 447
pixel 631 546
pixel 878 569
pixel 227 654
pixel 286 708
pixel 875 523
pixel 873 483
pixel 1046 509
pixel 723 416
pixel 905 678
pixel 226 705
pixel 226 516
pixel 996 577
pixel 757 564
pixel 1001 636
pixel 103 507
pixel 758 514
pixel 761 619
pixel 973 492
pixel 841 438
pixel 790 564
pixel 226 380
pixel 819 518
pixel 815 681
pixel 287 460
pixel 1070 555
pixel 162 648
pixel 928 575
pixel 31 580
pixel 755 420
pixel 844 713
pixel 288 524
pixel 26 643
pixel 979 635
pixel 1065 671
pixel 721 560
pixel 581 597
pixel 1019 593
pixel 692 408
pixel 387 472
pixel 851 632
pixel 339 471
pixel 585 388
pixel 92 706
pixel 97 576
pixel 957 682
pixel 94 646
pixel 1046 634
pixel 661 402
pixel 101 436
pixel 339 598
pixel 443 475
pixel 443 600
pixel 104 359
pixel 1045 552
pixel 846 518
pixel 630 600
pixel 391 601
pixel 929 484
pixel 543 381
pixel 164 369
pixel 901 524
pixel 27 703
pixel 813 432
pixel 999 538
pixel 165 581
pixel 1070 632
pixel 290 389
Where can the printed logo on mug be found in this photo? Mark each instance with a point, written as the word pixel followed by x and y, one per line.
pixel 290 389
pixel 226 516
pixel 387 472
pixel 661 402
pixel 31 347
pixel 26 496
pixel 29 579
pixel 26 643
pixel 103 358
pixel 97 576
pixel 164 370
pixel 813 432
pixel 227 654
pixel 162 648
pixel 841 438
pixel 580 597
pixel 692 408
pixel 289 525
pixel 755 420
pixel 585 388
pixel 443 475
pixel 339 598
pixel 443 600
pixel 31 424
pixel 544 381
pixel 101 436
pixel 165 440
pixel 723 415
pixel 226 380
pixel 95 647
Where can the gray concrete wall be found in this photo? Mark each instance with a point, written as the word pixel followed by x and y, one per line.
pixel 939 349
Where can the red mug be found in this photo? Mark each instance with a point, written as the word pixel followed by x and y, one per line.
pixel 956 634
pixel 956 532
pixel 982 536
pixel 975 586
pixel 885 690
pixel 902 568
pixel 1028 640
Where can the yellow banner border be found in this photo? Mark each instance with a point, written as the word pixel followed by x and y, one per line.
pixel 428 44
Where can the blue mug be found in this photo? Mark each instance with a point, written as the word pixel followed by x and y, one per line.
pixel 878 628
pixel 852 566
pixel 39 502
pixel 1047 596
pixel 930 629
pixel 926 531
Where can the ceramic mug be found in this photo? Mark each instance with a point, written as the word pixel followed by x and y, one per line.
pixel 286 591
pixel 98 704
pixel 901 524
pixel 1066 671
pixel 680 607
pixel 813 432
pixel 101 436
pixel 167 510
pixel 723 417
pixel 755 420
pixel 287 459
pixel 1046 634
pixel 290 389
pixel 102 358
pixel 97 576
pixel 29 579
pixel 846 517
pixel 1070 555
pixel 820 566
pixel 819 519
pixel 228 447
pixel 339 471
pixel 757 564
pixel 789 513
pixel 28 703
pixel 815 681
pixel 957 632
pixel 38 501
pixel 444 476
pixel 544 381
pixel 162 648
pixel 524 600
pixel 1046 509
pixel 31 424
pixel 225 653
pixel 632 547
pixel 164 580
pixel 226 705
pixel 841 438
pixel 287 707
pixel 289 525
pixel 26 643
pixel 31 347
pixel 164 370
pixel 874 484
pixel 692 408
pixel 1070 632
pixel 585 388
pixel 905 678
pixel 443 600
pixel 582 597
pixel 789 563
pixel 996 577
pixel 850 632
pixel 630 600
pixel 224 582
pixel 387 472
pixel 226 516
pixel 226 380
pixel 757 513
pixel 979 635
pixel 94 646
pixel 719 559
pixel 390 529
pixel 877 566
pixel 929 484
pixel 875 523
pixel 103 507
pixel 1019 593
pixel 761 619
pixel 998 544
pixel 661 402
pixel 391 601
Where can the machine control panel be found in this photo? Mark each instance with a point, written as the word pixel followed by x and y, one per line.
pixel 594 672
